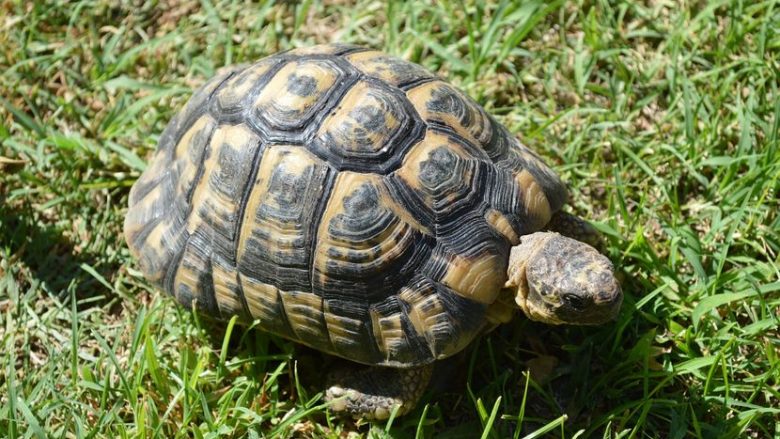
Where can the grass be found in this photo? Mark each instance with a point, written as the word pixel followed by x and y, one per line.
pixel 663 117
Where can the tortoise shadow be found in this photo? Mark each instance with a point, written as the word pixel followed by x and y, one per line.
pixel 578 372
pixel 588 374
pixel 54 261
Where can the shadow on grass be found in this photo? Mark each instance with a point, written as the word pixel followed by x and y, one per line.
pixel 577 372
pixel 604 383
pixel 52 258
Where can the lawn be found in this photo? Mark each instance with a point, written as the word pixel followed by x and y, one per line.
pixel 662 116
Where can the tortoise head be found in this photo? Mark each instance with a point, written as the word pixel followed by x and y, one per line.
pixel 559 280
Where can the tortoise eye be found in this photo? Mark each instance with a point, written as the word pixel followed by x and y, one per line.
pixel 574 301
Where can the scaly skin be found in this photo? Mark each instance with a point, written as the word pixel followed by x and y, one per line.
pixel 559 280
pixel 374 392
pixel 576 228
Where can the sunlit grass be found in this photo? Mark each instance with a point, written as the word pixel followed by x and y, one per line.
pixel 663 117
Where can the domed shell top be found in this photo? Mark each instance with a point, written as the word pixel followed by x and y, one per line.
pixel 344 198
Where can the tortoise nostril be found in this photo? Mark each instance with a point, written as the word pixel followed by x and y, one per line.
pixel 574 301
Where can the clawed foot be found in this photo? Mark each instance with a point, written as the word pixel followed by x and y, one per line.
pixel 374 393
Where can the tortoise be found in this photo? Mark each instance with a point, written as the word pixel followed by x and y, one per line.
pixel 356 203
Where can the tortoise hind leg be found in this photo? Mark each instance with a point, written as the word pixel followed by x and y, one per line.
pixel 576 228
pixel 374 392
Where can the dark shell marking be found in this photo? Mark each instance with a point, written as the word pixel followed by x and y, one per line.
pixel 369 131
pixel 389 69
pixel 345 199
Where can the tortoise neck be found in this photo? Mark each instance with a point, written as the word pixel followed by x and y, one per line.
pixel 519 257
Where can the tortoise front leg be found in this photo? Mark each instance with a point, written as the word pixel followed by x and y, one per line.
pixel 576 228
pixel 374 392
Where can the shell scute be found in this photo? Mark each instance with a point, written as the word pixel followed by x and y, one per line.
pixel 349 329
pixel 192 281
pixel 539 183
pixel 276 235
pixel 325 49
pixel 390 69
pixel 447 321
pixel 442 104
pixel 305 313
pixel 159 199
pixel 216 199
pixel 264 303
pixel 232 96
pixel 368 131
pixel 395 337
pixel 199 101
pixel 363 246
pixel 227 292
pixel 296 92
pixel 344 198
pixel 442 177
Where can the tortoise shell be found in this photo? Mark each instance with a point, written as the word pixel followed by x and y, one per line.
pixel 343 198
